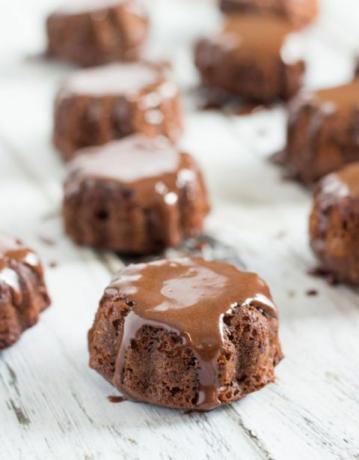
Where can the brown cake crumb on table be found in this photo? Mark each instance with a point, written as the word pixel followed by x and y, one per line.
pixel 186 333
pixel 135 196
pixel 23 294
pixel 334 225
pixel 323 132
pixel 98 105
pixel 298 13
pixel 90 33
pixel 249 59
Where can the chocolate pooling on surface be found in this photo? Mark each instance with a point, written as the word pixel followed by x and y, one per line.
pixel 191 297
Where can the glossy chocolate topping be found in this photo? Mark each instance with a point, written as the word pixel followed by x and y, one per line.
pixel 84 6
pixel 189 296
pixel 252 33
pixel 344 97
pixel 124 79
pixel 13 253
pixel 150 169
pixel 129 160
pixel 344 183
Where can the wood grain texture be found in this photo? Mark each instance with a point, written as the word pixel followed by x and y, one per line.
pixel 51 405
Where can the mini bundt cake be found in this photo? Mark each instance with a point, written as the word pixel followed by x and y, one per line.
pixel 334 224
pixel 93 32
pixel 23 294
pixel 323 132
pixel 186 333
pixel 98 105
pixel 138 195
pixel 249 59
pixel 299 13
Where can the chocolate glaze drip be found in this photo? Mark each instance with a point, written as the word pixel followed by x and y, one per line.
pixel 13 253
pixel 177 295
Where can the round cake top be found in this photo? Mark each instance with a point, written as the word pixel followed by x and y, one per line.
pixel 126 79
pixel 87 6
pixel 129 160
pixel 255 33
pixel 342 184
pixel 189 296
pixel 12 250
pixel 339 97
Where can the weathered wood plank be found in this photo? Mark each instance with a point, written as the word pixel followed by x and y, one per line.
pixel 51 404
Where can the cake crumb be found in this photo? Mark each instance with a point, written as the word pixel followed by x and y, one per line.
pixel 116 399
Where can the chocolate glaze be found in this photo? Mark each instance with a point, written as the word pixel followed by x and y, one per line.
pixel 340 103
pixel 13 253
pixel 124 79
pixel 145 165
pixel 83 6
pixel 299 13
pixel 244 35
pixel 131 160
pixel 176 295
pixel 344 183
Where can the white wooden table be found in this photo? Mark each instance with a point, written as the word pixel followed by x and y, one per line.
pixel 52 406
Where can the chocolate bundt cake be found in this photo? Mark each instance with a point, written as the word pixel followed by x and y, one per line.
pixel 248 59
pixel 138 195
pixel 323 132
pixel 334 224
pixel 298 13
pixel 98 105
pixel 23 294
pixel 186 333
pixel 92 32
